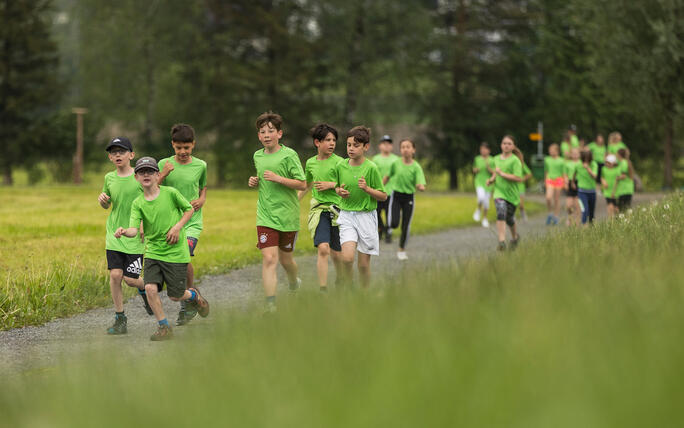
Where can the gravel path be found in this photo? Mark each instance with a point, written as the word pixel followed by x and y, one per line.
pixel 38 348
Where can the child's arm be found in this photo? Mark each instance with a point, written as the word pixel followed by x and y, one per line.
pixel 253 181
pixel 287 182
pixel 174 232
pixel 588 168
pixel 130 232
pixel 385 179
pixel 166 170
pixel 198 203
pixel 420 187
pixel 376 194
pixel 104 200
pixel 509 177
pixel 491 179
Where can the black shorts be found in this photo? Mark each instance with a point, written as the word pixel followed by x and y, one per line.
pixel 571 193
pixel 327 233
pixel 505 211
pixel 192 244
pixel 624 202
pixel 130 264
pixel 174 275
pixel 611 201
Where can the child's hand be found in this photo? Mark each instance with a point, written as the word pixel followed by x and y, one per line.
pixel 172 235
pixel 253 181
pixel 272 176
pixel 119 233
pixel 498 171
pixel 104 199
pixel 362 184
pixel 197 204
pixel 168 167
pixel 489 181
pixel 420 187
pixel 344 193
pixel 324 185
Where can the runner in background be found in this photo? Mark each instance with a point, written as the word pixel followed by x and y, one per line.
pixel 483 168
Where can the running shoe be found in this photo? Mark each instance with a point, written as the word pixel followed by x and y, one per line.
pixel 147 306
pixel 501 246
pixel 163 332
pixel 185 315
pixel 119 326
pixel 476 215
pixel 549 219
pixel 485 223
pixel 514 242
pixel 270 308
pixel 555 220
pixel 200 303
pixel 401 255
pixel 295 286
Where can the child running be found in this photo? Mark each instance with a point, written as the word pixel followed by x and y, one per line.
pixel 483 168
pixel 609 182
pixel 553 170
pixel 586 185
pixel 124 256
pixel 570 187
pixel 507 175
pixel 615 143
pixel 360 186
pixel 188 175
pixel 279 177
pixel 407 176
pixel 598 152
pixel 163 212
pixel 321 179
pixel 625 186
pixel 384 161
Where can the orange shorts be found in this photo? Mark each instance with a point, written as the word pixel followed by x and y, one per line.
pixel 555 183
pixel 268 237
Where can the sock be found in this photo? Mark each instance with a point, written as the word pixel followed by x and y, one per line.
pixel 193 295
pixel 270 300
pixel 163 322
pixel 141 292
pixel 324 288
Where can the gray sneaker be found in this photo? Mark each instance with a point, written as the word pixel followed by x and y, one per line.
pixel 119 326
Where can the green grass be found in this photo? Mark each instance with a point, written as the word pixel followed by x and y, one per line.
pixel 52 260
pixel 579 329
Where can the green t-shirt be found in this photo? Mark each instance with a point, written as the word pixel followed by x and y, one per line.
pixel 570 167
pixel 565 149
pixel 483 174
pixel 613 148
pixel 406 177
pixel 574 141
pixel 188 179
pixel 525 170
pixel 122 191
pixel 507 189
pixel 384 163
pixel 610 175
pixel 278 205
pixel 598 152
pixel 348 175
pixel 554 166
pixel 626 185
pixel 158 216
pixel 323 170
pixel 584 180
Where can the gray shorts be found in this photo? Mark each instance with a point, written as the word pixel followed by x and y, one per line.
pixel 505 211
pixel 174 275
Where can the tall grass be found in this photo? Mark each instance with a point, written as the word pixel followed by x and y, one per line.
pixel 579 329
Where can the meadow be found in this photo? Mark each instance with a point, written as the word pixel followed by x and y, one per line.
pixel 52 251
pixel 579 328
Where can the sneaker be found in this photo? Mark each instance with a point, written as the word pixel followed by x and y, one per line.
pixel 485 223
pixel 501 246
pixel 119 326
pixel 549 219
pixel 293 287
pixel 270 308
pixel 147 306
pixel 201 304
pixel 476 215
pixel 164 332
pixel 514 242
pixel 388 239
pixel 401 255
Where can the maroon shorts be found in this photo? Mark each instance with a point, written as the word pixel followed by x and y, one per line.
pixel 267 237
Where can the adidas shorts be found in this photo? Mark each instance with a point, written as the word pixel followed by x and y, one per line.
pixel 268 237
pixel 130 264
pixel 360 227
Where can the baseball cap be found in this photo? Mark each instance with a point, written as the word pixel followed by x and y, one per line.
pixel 386 138
pixel 572 127
pixel 611 158
pixel 122 142
pixel 146 162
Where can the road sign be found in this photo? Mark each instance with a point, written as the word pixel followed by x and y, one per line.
pixel 535 136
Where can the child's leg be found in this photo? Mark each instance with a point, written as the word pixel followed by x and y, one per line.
pixel 364 269
pixel 348 253
pixel 395 210
pixel 115 277
pixel 556 202
pixel 501 230
pixel 549 198
pixel 406 217
pixel 500 206
pixel 485 204
pixel 288 262
pixel 268 270
pixel 521 205
pixel 592 206
pixel 134 282
pixel 322 263
pixel 191 276
pixel 152 291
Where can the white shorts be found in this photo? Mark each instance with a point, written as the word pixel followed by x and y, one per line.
pixel 360 227
pixel 483 196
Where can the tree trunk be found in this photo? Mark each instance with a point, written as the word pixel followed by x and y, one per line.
pixel 453 177
pixel 7 175
pixel 668 151
pixel 354 64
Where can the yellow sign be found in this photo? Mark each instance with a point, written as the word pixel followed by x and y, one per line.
pixel 535 136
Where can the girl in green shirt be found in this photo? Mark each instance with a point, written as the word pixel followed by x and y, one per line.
pixel 598 151
pixel 609 182
pixel 483 167
pixel 507 175
pixel 571 201
pixel 586 185
pixel 553 171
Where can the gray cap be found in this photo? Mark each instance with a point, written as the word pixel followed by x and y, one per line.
pixel 146 162
pixel 386 138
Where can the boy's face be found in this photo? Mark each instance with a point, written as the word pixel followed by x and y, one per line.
pixel 183 150
pixel 356 150
pixel 269 135
pixel 407 150
pixel 574 154
pixel 327 146
pixel 385 147
pixel 147 177
pixel 484 151
pixel 120 156
pixel 599 139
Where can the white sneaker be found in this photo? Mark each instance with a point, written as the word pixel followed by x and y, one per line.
pixel 485 223
pixel 476 215
pixel 294 287
pixel 401 255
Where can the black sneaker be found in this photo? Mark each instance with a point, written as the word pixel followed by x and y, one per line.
pixel 163 332
pixel 186 315
pixel 514 242
pixel 147 306
pixel 119 326
pixel 502 246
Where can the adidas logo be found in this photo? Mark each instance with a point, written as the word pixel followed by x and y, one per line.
pixel 135 267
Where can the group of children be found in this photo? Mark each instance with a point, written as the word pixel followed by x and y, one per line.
pixel 157 213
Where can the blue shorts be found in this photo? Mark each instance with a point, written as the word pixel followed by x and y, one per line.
pixel 327 233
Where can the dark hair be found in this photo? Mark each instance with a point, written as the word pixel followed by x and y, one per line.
pixel 182 133
pixel 361 134
pixel 269 117
pixel 586 156
pixel 509 136
pixel 624 153
pixel 484 144
pixel 320 131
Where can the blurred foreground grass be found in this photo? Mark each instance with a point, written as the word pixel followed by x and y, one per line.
pixel 579 329
pixel 52 256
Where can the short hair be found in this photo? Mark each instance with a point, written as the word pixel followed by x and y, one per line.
pixel 586 156
pixel 361 134
pixel 484 144
pixel 182 133
pixel 320 131
pixel 269 117
pixel 410 141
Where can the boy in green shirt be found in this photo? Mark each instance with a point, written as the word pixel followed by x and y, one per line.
pixel 507 175
pixel 163 212
pixel 598 152
pixel 321 180
pixel 570 183
pixel 125 256
pixel 188 175
pixel 360 186
pixel 483 168
pixel 279 177
pixel 384 161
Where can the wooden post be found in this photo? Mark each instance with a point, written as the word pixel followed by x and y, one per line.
pixel 78 156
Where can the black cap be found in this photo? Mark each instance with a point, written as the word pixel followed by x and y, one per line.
pixel 122 142
pixel 386 138
pixel 573 127
pixel 146 162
